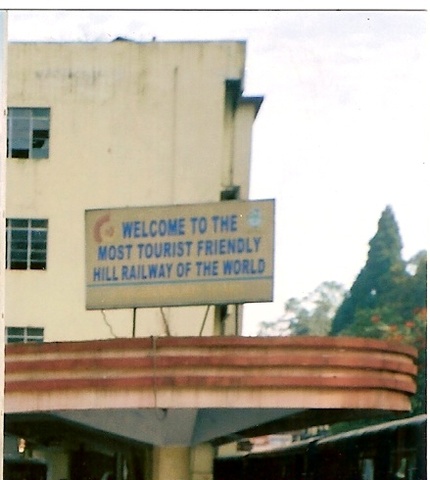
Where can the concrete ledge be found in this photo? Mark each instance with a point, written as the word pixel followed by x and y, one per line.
pixel 210 372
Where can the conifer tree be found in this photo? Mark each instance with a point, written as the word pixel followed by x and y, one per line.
pixel 388 300
pixel 381 278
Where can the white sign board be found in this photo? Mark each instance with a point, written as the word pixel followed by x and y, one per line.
pixel 198 254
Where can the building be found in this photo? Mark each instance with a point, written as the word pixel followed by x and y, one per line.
pixel 105 125
pixel 124 124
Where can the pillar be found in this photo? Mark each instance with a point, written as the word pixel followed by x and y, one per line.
pixel 202 457
pixel 183 463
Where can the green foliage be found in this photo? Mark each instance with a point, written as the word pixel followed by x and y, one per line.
pixel 314 313
pixel 380 280
pixel 388 300
pixel 415 294
pixel 381 323
pixel 310 315
pixel 389 325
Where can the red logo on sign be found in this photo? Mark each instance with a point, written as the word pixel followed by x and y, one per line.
pixel 102 228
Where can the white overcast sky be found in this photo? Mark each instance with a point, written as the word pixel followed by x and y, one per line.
pixel 343 130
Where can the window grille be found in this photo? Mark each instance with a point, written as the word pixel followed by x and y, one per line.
pixel 24 335
pixel 26 243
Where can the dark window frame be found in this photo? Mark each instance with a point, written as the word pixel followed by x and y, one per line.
pixel 28 132
pixel 26 243
pixel 24 334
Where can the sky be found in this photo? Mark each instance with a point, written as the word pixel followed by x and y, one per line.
pixel 342 133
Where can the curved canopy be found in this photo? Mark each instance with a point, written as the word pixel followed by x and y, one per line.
pixel 187 390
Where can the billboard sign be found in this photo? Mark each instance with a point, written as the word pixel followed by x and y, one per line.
pixel 197 254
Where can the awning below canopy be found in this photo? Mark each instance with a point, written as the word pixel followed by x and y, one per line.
pixel 162 427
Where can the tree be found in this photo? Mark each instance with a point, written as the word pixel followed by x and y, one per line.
pixel 380 279
pixel 414 296
pixel 310 315
pixel 388 300
pixel 387 324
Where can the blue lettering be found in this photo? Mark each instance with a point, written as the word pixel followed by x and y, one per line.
pixel 244 267
pixel 105 274
pixel 102 253
pixel 154 228
pixel 127 229
pixel 198 224
pixel 206 269
pixel 224 223
pixel 114 252
pixel 183 269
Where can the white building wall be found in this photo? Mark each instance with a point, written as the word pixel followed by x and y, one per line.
pixel 132 124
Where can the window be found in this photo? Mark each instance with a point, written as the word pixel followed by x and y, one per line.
pixel 26 243
pixel 24 335
pixel 28 132
pixel 367 469
pixel 404 465
pixel 230 193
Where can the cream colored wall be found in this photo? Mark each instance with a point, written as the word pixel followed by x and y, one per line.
pixel 131 125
